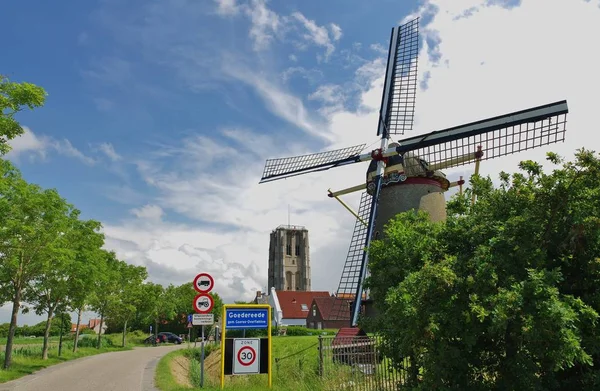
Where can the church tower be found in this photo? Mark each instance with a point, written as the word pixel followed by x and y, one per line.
pixel 289 260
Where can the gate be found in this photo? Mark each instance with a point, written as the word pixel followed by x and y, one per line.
pixel 357 363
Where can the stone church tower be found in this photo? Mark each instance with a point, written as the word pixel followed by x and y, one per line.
pixel 289 260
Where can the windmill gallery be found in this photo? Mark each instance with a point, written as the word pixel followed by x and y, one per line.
pixel 407 174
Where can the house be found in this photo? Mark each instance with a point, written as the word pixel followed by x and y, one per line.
pixel 93 324
pixel 328 313
pixel 291 308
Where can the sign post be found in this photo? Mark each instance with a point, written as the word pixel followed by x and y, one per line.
pixel 203 303
pixel 246 356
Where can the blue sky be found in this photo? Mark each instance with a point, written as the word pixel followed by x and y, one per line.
pixel 160 114
pixel 139 75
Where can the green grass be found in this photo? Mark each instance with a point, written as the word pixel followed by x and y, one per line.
pixel 290 373
pixel 29 341
pixel 28 359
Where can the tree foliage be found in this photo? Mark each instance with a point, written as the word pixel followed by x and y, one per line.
pixel 504 294
pixel 14 97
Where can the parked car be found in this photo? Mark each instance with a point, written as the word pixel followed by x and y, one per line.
pixel 164 337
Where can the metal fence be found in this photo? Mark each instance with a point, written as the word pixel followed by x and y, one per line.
pixel 358 363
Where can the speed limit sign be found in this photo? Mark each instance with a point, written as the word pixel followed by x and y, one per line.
pixel 246 356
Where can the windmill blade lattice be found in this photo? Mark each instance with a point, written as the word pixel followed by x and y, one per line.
pixel 351 273
pixel 498 136
pixel 402 92
pixel 291 166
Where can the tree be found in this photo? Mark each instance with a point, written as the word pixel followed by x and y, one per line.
pixel 129 297
pixel 13 98
pixel 85 270
pixel 106 288
pixel 30 220
pixel 503 295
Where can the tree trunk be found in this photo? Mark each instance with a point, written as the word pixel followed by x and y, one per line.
pixel 100 331
pixel 124 332
pixel 77 329
pixel 47 333
pixel 12 328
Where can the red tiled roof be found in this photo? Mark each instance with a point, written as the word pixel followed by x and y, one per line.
pixel 326 305
pixel 291 302
pixel 93 323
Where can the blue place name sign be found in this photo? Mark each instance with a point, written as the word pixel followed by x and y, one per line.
pixel 246 318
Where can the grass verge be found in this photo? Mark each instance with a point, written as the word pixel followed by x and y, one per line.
pixel 292 371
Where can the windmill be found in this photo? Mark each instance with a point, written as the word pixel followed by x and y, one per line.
pixel 407 174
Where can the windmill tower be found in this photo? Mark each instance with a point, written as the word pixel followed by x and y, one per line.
pixel 407 174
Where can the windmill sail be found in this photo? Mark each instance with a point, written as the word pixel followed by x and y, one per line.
pixel 499 136
pixel 291 166
pixel 399 93
pixel 351 272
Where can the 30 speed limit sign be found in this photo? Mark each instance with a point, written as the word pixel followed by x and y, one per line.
pixel 246 356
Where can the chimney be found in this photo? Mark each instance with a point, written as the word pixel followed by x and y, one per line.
pixel 258 294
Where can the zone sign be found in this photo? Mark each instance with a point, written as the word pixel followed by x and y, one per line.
pixel 246 356
pixel 204 283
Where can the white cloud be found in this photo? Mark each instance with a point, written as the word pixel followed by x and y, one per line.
pixel 379 48
pixel 280 102
pixel 148 212
pixel 293 57
pixel 230 216
pixel 33 146
pixel 65 148
pixel 318 34
pixel 109 151
pixel 265 24
pixel 28 142
pixel 227 7
pixel 336 31
pixel 311 75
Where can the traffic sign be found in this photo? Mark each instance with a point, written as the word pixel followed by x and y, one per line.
pixel 204 283
pixel 246 356
pixel 203 319
pixel 247 318
pixel 189 318
pixel 203 303
pixel 189 326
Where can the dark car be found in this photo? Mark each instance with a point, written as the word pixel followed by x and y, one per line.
pixel 164 337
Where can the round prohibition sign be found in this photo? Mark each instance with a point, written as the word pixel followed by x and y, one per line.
pixel 246 355
pixel 203 303
pixel 204 283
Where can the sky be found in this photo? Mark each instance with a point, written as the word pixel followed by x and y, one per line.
pixel 160 115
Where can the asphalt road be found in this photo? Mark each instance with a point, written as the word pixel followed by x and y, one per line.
pixel 131 370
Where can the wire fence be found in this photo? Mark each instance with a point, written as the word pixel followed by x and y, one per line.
pixel 358 363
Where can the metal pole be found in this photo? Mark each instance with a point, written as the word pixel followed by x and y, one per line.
pixel 202 359
pixel 320 356
pixel 189 337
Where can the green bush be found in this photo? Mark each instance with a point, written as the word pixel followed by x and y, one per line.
pixel 298 331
